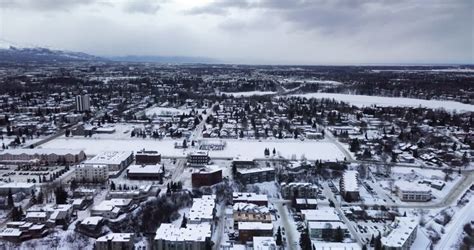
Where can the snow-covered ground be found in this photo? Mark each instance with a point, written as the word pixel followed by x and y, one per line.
pixel 364 100
pixel 312 150
pixel 248 93
pixel 167 111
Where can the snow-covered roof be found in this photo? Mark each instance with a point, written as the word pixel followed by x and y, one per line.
pixel 192 232
pixel 402 228
pixel 264 243
pixel 203 208
pixel 144 169
pixel 255 226
pixel 326 225
pixel 14 185
pixel 320 245
pixel 110 157
pixel 407 186
pixel 350 181
pixel 116 237
pixel 41 151
pixel 93 220
pixel 250 208
pixel 255 170
pixel 322 214
pixel 249 197
pixel 10 232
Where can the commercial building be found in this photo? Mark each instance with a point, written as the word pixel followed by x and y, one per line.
pixel 16 187
pixel 257 199
pixel 111 208
pixel 299 190
pixel 247 212
pixel 248 230
pixel 401 234
pixel 114 160
pixel 145 172
pixel 115 241
pixel 92 173
pixel 144 157
pixel 192 237
pixel 83 103
pixel 42 155
pixel 349 186
pixel 411 191
pixel 203 209
pixel 255 175
pixel 199 158
pixel 207 176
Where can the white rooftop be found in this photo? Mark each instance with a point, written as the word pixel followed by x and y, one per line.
pixel 350 181
pixel 322 214
pixel 192 232
pixel 255 226
pixel 144 169
pixel 116 237
pixel 109 157
pixel 408 186
pixel 202 209
pixel 402 227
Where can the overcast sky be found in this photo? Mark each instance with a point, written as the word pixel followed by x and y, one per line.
pixel 250 31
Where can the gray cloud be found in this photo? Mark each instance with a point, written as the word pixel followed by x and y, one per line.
pixel 44 5
pixel 142 6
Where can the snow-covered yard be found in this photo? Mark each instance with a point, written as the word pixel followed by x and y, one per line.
pixel 248 93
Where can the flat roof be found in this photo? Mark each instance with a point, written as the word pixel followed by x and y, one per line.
pixel 116 237
pixel 255 226
pixel 192 232
pixel 145 169
pixel 350 181
pixel 109 157
pixel 203 208
pixel 401 229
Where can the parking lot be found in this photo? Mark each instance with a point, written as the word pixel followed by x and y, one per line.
pixel 33 174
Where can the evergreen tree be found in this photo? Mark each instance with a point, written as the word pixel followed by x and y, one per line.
pixel 339 235
pixel 184 222
pixel 10 202
pixel 112 185
pixel 305 240
pixel 279 239
pixel 73 185
pixel 61 195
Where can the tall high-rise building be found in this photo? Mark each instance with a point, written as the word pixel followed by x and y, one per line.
pixel 83 103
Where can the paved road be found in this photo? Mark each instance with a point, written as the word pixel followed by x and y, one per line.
pixel 291 239
pixel 329 194
pixel 459 219
pixel 220 227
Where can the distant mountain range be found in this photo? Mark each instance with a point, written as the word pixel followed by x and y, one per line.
pixel 11 53
pixel 164 59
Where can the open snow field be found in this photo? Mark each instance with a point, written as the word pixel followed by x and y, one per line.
pixel 364 100
pixel 248 93
pixel 311 150
pixel 168 111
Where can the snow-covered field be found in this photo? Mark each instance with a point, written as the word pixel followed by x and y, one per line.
pixel 364 100
pixel 249 93
pixel 312 150
pixel 167 111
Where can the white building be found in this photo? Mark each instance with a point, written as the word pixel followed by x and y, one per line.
pixel 114 160
pixel 92 173
pixel 411 191
pixel 111 208
pixel 264 243
pixel 115 241
pixel 349 185
pixel 203 209
pixel 193 237
pixel 402 234
pixel 83 103
pixel 47 155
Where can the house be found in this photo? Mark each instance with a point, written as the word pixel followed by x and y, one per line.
pixel 91 226
pixel 264 243
pixel 111 208
pixel 115 241
pixel 193 237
